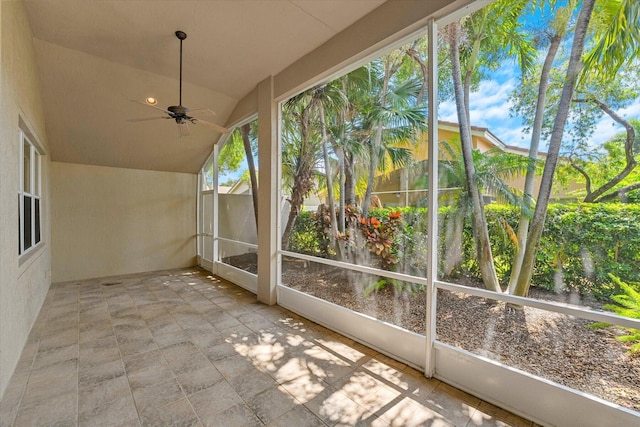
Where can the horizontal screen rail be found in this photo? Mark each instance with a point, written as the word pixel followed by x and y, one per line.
pixel 557 307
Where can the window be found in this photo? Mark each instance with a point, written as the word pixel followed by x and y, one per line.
pixel 29 196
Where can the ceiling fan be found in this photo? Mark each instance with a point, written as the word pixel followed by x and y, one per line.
pixel 181 114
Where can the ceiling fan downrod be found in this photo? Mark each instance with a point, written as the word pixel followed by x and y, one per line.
pixel 181 35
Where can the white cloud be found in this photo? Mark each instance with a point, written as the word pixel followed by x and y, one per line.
pixel 490 108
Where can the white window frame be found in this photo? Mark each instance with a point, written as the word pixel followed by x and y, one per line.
pixel 34 192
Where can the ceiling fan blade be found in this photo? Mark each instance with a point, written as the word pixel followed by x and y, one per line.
pixel 147 119
pixel 152 106
pixel 213 126
pixel 202 112
pixel 184 129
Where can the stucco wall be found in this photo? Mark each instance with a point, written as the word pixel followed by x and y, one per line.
pixel 110 221
pixel 23 281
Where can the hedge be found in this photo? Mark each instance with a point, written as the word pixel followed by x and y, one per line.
pixel 581 244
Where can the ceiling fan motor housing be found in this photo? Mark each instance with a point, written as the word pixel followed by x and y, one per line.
pixel 178 110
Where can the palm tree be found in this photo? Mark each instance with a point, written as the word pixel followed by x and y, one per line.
pixel 329 97
pixel 301 147
pixel 490 35
pixel 248 134
pixel 494 168
pixel 537 222
pixel 480 229
pixel 554 33
pixel 388 118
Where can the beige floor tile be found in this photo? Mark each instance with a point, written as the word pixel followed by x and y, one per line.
pixel 335 408
pixel 114 413
pixel 175 414
pixel 298 416
pixel 150 359
pixel 55 355
pixel 251 383
pixel 102 372
pixel 57 409
pixel 270 404
pixel 189 363
pixel 215 399
pixel 104 392
pixel 233 366
pixel 181 347
pixel 198 380
pixel 490 415
pixel 235 416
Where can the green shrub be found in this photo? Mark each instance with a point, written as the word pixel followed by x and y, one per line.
pixel 581 243
pixel 304 237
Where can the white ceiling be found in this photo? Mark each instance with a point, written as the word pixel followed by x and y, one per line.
pixel 97 56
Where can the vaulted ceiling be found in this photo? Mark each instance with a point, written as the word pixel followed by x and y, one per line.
pixel 95 57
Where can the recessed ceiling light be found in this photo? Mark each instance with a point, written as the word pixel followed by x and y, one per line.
pixel 151 100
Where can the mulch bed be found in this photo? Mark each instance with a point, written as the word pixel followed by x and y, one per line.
pixel 554 346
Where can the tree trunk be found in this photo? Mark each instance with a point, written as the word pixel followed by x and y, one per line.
pixel 349 180
pixel 244 131
pixel 523 223
pixel 480 229
pixel 374 154
pixel 453 241
pixel 328 175
pixel 539 215
pixel 300 190
pixel 389 70
pixel 341 203
pixel 631 163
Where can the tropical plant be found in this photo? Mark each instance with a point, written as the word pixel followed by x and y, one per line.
pixel 521 286
pixel 481 41
pixel 557 25
pixel 628 305
pixel 494 169
pixel 301 152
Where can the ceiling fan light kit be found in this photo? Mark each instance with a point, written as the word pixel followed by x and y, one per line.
pixel 180 113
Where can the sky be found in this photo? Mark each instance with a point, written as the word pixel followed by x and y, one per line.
pixel 490 108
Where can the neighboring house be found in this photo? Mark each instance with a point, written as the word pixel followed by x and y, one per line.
pixel 407 186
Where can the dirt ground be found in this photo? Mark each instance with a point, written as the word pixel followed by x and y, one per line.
pixel 554 346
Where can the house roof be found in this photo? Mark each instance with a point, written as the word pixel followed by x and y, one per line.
pixel 490 137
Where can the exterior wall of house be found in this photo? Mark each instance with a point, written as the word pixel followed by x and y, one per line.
pixel 112 221
pixel 25 280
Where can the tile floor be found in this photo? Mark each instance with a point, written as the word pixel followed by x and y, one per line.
pixel 183 348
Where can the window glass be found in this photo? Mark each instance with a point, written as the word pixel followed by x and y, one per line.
pixel 237 172
pixel 26 168
pixel 494 148
pixel 36 174
pixel 354 180
pixel 28 242
pixel 29 204
pixel 37 221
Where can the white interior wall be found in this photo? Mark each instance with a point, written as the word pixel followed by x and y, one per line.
pixel 110 221
pixel 23 281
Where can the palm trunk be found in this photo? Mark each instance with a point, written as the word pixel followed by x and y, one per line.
pixel 300 190
pixel 349 180
pixel 244 131
pixel 480 229
pixel 340 154
pixel 523 224
pixel 539 215
pixel 374 154
pixel 327 171
pixel 374 149
pixel 453 241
